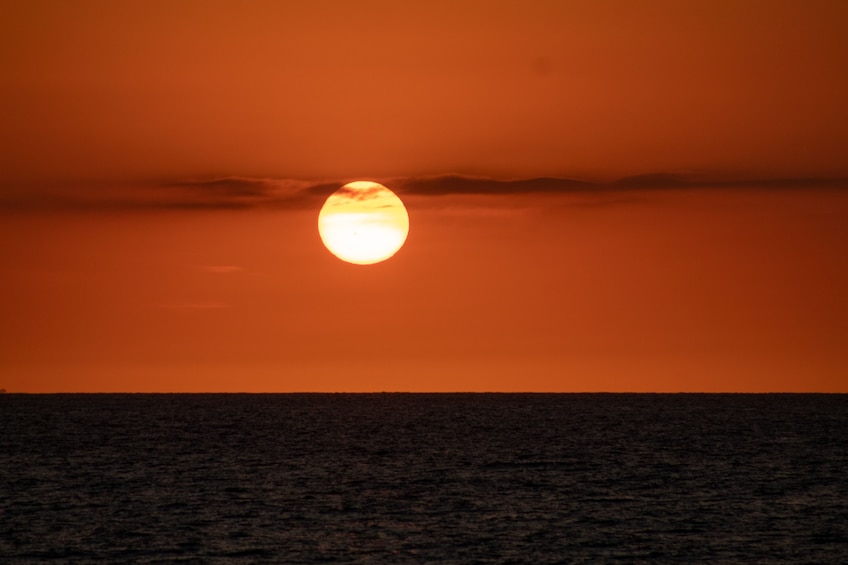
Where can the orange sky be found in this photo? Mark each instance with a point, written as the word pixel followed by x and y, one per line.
pixel 163 164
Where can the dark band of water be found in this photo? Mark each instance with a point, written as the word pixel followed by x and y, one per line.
pixel 424 478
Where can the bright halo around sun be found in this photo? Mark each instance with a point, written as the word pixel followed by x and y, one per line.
pixel 363 222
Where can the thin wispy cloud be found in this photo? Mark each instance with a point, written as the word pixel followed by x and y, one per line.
pixel 220 269
pixel 195 306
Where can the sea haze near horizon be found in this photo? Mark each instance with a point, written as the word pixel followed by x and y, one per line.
pixel 540 478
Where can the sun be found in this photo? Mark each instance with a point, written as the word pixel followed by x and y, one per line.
pixel 363 223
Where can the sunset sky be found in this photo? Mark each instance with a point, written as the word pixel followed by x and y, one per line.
pixel 602 196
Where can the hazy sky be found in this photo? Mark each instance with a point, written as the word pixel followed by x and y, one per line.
pixel 141 89
pixel 163 165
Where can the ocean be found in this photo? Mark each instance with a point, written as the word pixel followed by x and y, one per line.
pixel 423 478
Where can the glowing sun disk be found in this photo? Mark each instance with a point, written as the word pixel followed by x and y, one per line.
pixel 363 223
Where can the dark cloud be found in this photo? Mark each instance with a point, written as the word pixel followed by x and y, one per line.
pixel 229 186
pixel 670 181
pixel 233 193
pixel 240 192
pixel 457 184
pixel 226 193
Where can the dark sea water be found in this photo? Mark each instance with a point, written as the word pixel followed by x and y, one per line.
pixel 474 478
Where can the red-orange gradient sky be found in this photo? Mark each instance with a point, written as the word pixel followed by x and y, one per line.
pixel 163 164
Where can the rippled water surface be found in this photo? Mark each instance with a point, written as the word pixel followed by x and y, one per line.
pixel 423 478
